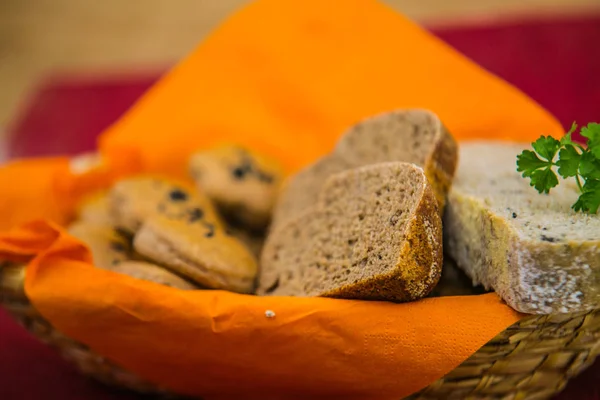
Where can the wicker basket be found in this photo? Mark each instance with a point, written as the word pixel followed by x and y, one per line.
pixel 532 359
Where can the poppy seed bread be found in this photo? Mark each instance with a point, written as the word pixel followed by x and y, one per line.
pixel 538 254
pixel 374 234
pixel 413 135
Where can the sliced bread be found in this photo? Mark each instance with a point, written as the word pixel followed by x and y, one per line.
pixel 374 234
pixel 538 254
pixel 301 190
pixel 414 135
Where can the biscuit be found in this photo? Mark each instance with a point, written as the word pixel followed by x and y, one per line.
pixel 198 250
pixel 135 199
pixel 153 273
pixel 107 245
pixel 253 240
pixel 243 184
pixel 95 209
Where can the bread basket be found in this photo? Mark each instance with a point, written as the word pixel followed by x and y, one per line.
pixel 533 359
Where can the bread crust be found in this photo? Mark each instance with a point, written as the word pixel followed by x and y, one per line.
pixel 297 255
pixel 533 277
pixel 419 264
pixel 441 165
pixel 300 191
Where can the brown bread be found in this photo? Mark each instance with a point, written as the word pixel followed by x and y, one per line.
pixel 414 136
pixel 375 234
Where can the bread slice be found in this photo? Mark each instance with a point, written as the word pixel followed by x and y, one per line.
pixel 375 234
pixel 301 190
pixel 414 135
pixel 538 254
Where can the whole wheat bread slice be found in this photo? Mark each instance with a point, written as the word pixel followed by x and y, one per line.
pixel 301 190
pixel 538 254
pixel 413 135
pixel 375 234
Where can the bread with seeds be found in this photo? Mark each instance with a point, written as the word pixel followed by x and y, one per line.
pixel 538 254
pixel 374 234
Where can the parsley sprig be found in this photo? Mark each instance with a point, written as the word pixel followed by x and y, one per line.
pixel 574 160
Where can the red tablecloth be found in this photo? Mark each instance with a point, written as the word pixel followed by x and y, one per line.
pixel 555 62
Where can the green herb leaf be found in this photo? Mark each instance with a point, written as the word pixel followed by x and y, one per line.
pixel 546 147
pixel 567 138
pixel 528 162
pixel 589 166
pixel 543 180
pixel 574 160
pixel 568 161
pixel 592 133
pixel 590 199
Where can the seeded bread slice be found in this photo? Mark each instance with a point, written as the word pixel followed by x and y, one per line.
pixel 414 135
pixel 538 254
pixel 375 234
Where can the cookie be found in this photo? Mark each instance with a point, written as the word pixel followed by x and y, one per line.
pixel 243 184
pixel 136 199
pixel 199 251
pixel 95 209
pixel 153 273
pixel 107 245
pixel 254 241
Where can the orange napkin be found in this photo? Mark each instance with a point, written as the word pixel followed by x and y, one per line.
pixel 285 78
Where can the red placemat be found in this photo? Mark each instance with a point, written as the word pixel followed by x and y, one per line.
pixel 555 62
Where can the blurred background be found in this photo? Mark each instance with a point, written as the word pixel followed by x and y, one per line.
pixel 39 38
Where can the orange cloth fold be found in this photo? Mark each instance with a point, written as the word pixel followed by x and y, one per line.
pixel 222 345
pixel 285 78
